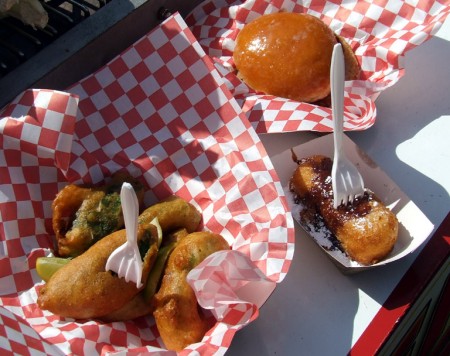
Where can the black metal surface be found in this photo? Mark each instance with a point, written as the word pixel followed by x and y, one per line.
pixel 89 45
pixel 19 42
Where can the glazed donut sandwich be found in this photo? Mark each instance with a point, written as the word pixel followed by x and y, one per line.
pixel 289 55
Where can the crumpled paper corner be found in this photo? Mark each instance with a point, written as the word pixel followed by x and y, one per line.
pixel 228 278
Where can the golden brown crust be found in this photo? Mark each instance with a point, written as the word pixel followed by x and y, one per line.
pixel 173 213
pixel 369 239
pixel 352 67
pixel 366 229
pixel 133 309
pixel 83 289
pixel 64 206
pixel 82 215
pixel 177 315
pixel 287 55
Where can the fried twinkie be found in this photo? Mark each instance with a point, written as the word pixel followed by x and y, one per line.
pixel 365 229
pixel 84 214
pixel 82 289
pixel 177 315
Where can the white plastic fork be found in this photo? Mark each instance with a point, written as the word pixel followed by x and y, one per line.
pixel 347 182
pixel 126 260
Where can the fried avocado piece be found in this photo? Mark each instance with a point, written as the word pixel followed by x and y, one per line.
pixel 82 289
pixel 83 215
pixel 173 213
pixel 177 315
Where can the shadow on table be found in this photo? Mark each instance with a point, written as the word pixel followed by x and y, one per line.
pixel 418 100
pixel 422 96
pixel 314 307
pixel 323 321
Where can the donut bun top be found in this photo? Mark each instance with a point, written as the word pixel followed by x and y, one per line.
pixel 287 55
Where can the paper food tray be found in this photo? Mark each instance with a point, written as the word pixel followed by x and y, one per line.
pixel 379 32
pixel 161 112
pixel 414 226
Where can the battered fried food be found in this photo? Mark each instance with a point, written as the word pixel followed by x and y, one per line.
pixel 82 289
pixel 173 213
pixel 366 229
pixel 288 55
pixel 133 309
pixel 82 215
pixel 177 315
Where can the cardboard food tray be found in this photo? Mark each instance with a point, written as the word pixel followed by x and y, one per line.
pixel 379 32
pixel 414 226
pixel 160 112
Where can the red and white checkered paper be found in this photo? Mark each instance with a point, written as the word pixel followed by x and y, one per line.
pixel 160 111
pixel 380 32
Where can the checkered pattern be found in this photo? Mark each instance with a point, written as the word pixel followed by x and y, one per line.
pixel 222 283
pixel 380 33
pixel 160 111
pixel 225 277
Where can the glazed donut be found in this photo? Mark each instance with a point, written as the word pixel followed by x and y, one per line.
pixel 289 55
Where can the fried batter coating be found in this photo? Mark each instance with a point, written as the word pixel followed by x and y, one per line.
pixel 133 309
pixel 177 315
pixel 82 289
pixel 173 213
pixel 82 215
pixel 366 229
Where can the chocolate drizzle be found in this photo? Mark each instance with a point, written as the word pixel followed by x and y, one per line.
pixel 319 213
pixel 320 196
pixel 365 230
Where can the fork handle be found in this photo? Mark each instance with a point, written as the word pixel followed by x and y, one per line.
pixel 130 209
pixel 337 81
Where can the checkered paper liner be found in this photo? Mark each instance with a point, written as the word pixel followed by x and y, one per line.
pixel 161 112
pixel 380 32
